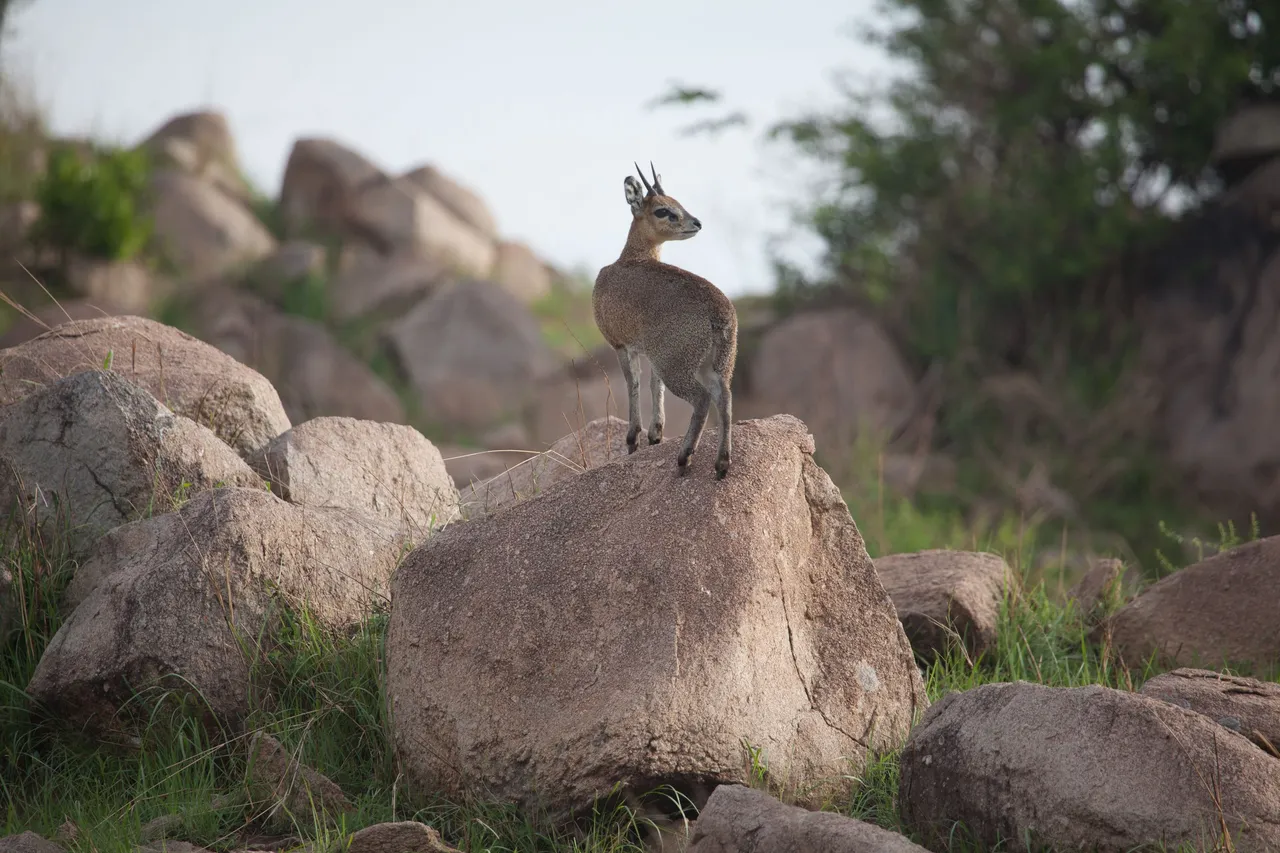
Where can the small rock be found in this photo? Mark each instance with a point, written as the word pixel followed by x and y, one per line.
pixel 1221 612
pixel 1101 589
pixel 1246 705
pixel 1083 768
pixel 68 833
pixel 737 818
pixel 287 793
pixel 27 842
pixel 939 591
pixel 401 837
pixel 161 827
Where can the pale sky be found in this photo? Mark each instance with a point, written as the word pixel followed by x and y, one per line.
pixel 539 106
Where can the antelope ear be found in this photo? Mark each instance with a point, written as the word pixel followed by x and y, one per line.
pixel 635 194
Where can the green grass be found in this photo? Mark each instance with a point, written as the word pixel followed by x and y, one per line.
pixel 320 693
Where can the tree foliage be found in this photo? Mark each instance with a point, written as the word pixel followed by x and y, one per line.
pixel 1032 144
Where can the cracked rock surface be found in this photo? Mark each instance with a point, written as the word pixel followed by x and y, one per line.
pixel 189 376
pixel 93 451
pixel 636 626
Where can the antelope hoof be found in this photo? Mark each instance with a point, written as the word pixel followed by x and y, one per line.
pixel 722 468
pixel 655 436
pixel 631 440
pixel 683 462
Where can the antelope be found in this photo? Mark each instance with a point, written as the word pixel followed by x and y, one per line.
pixel 682 323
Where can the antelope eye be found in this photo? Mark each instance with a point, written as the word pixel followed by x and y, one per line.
pixel 663 213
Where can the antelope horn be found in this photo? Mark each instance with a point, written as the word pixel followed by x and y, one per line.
pixel 647 187
pixel 657 179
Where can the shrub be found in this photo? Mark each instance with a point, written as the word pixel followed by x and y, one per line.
pixel 91 203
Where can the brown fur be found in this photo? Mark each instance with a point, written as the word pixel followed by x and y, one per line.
pixel 682 323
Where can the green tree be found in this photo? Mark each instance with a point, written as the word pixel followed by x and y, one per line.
pixel 1033 144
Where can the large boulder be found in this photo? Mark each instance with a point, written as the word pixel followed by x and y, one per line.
pixel 462 201
pixel 1083 768
pixel 321 178
pixel 838 372
pixel 189 600
pixel 472 353
pixel 93 451
pixel 601 441
pixel 1219 612
pixel 189 376
pixel 316 375
pixel 521 272
pixel 941 594
pixel 689 616
pixel 1245 705
pixel 397 216
pixel 738 818
pixel 369 283
pixel 201 144
pixel 387 470
pixel 206 233
pixel 1208 356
